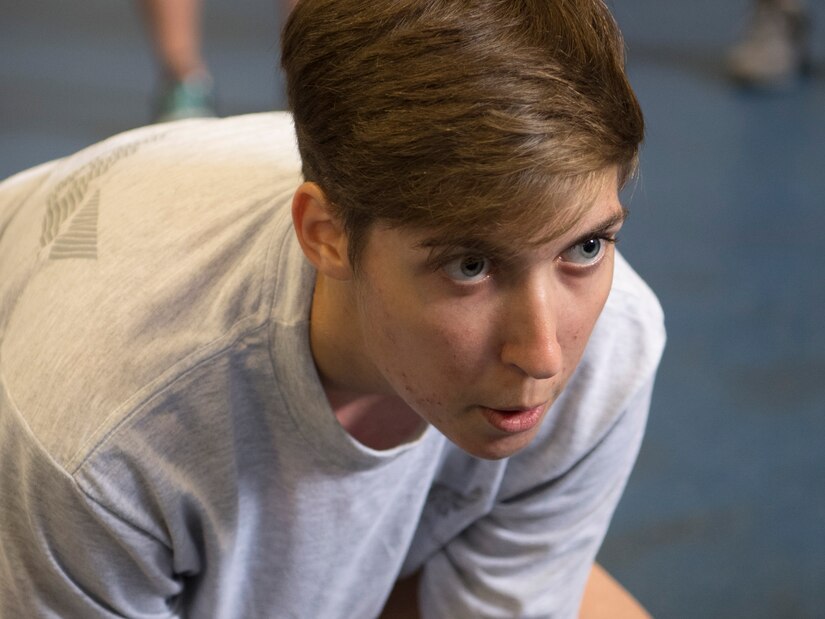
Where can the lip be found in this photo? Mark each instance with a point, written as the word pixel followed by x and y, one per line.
pixel 513 420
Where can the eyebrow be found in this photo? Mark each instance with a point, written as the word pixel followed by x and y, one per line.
pixel 439 249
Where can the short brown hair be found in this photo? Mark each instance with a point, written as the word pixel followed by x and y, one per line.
pixel 459 116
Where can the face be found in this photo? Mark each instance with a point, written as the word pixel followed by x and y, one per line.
pixel 481 347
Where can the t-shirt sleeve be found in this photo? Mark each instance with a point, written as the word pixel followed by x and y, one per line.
pixel 531 555
pixel 64 555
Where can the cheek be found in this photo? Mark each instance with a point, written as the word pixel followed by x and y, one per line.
pixel 425 352
pixel 438 347
pixel 417 325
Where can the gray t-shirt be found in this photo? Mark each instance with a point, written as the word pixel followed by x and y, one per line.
pixel 166 448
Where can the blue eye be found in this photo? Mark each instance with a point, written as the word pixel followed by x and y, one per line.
pixel 467 269
pixel 587 252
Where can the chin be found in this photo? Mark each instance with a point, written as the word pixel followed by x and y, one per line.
pixel 498 449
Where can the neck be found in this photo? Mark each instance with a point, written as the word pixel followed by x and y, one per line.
pixel 377 421
pixel 336 340
pixel 365 406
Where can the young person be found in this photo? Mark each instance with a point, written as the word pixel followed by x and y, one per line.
pixel 398 368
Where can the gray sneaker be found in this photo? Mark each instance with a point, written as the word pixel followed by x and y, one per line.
pixel 773 51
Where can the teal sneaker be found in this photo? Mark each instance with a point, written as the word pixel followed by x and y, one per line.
pixel 192 97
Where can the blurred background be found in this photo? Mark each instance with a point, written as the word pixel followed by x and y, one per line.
pixel 724 516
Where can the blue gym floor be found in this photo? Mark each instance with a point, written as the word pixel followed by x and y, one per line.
pixel 724 516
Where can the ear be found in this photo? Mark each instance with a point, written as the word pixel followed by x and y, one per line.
pixel 319 232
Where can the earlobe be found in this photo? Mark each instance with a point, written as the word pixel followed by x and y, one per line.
pixel 320 233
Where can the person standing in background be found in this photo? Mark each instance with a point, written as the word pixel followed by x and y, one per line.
pixel 187 87
pixel 774 49
pixel 186 83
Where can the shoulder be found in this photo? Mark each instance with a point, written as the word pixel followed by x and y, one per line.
pixel 623 353
pixel 631 328
pixel 141 257
pixel 631 292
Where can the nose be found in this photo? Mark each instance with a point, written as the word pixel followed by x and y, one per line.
pixel 530 341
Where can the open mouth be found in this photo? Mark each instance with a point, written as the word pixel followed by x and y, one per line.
pixel 513 421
